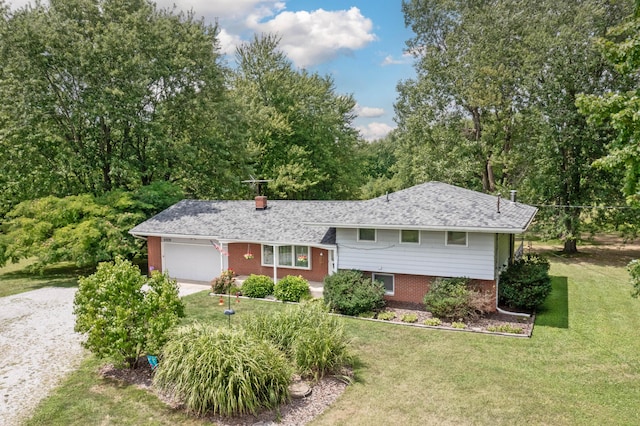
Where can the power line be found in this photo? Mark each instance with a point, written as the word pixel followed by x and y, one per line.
pixel 561 206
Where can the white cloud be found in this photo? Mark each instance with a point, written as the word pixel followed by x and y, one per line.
pixel 225 9
pixel 388 60
pixel 373 131
pixel 368 112
pixel 228 42
pixel 310 38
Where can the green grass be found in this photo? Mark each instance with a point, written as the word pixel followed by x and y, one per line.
pixel 17 278
pixel 581 366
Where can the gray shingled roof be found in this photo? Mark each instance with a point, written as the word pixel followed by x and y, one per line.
pixel 429 206
pixel 435 205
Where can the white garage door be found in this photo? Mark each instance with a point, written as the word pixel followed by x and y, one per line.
pixel 191 261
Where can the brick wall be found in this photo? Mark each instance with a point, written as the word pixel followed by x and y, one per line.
pixel 154 253
pixel 412 288
pixel 242 266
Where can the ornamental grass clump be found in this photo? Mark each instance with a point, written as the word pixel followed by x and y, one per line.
pixel 311 338
pixel 258 286
pixel 222 371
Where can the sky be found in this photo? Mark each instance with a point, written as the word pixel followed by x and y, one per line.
pixel 359 43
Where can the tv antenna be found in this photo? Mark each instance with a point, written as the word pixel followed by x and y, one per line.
pixel 256 183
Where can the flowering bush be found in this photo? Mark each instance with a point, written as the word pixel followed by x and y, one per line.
pixel 223 283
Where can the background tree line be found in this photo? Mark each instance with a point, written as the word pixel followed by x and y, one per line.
pixel 103 100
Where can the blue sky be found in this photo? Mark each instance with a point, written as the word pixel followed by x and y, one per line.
pixel 360 43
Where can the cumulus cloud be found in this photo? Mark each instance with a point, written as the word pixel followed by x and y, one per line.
pixel 368 112
pixel 226 9
pixel 373 131
pixel 310 38
pixel 228 42
pixel 389 60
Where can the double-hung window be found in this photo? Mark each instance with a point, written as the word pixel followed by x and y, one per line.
pixel 410 236
pixel 455 238
pixel 367 234
pixel 288 256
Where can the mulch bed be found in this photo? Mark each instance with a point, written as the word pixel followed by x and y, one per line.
pixel 481 325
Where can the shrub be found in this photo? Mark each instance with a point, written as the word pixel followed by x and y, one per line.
pixel 449 298
pixel 227 372
pixel 459 325
pixel 634 271
pixel 386 316
pixel 409 318
pixel 368 314
pixel 505 328
pixel 314 340
pixel 526 283
pixel 223 283
pixel 432 321
pixel 125 314
pixel 351 293
pixel 259 286
pixel 292 289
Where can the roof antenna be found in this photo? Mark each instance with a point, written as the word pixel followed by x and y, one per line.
pixel 499 196
pixel 256 183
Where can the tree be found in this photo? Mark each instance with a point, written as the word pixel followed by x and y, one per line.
pixel 470 61
pixel 97 95
pixel 83 229
pixel 125 314
pixel 300 130
pixel 493 104
pixel 619 108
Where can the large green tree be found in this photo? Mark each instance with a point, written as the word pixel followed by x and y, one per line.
pixel 300 129
pixel 103 94
pixel 493 103
pixel 619 108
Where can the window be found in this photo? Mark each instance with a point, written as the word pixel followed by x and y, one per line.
pixel 456 238
pixel 366 234
pixel 410 236
pixel 267 255
pixel 288 256
pixel 385 279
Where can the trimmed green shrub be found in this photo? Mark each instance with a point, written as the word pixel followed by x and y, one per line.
pixel 292 289
pixel 311 338
pixel 223 283
pixel 125 314
pixel 526 283
pixel 226 372
pixel 449 298
pixel 258 286
pixel 350 293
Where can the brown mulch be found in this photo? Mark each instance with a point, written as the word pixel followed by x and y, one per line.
pixel 481 324
pixel 298 411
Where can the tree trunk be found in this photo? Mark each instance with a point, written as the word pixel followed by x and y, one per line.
pixel 570 246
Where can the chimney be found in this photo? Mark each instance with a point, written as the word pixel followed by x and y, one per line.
pixel 513 193
pixel 261 202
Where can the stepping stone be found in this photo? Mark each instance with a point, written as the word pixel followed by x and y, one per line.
pixel 299 390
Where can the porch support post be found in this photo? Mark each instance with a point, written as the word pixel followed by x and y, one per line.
pixel 275 263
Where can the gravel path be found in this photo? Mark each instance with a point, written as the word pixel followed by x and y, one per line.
pixel 38 347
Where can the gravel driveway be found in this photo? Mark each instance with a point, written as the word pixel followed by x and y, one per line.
pixel 37 348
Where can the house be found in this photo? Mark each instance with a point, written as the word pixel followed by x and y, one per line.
pixel 405 239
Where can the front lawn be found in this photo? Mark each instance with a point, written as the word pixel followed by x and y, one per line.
pixel 580 367
pixel 17 278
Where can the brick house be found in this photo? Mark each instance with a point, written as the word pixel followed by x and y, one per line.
pixel 404 239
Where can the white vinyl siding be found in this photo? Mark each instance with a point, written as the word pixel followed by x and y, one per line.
pixel 431 257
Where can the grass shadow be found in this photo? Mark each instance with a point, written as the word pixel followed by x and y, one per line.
pixel 555 311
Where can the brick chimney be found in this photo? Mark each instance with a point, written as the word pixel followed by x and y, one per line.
pixel 261 202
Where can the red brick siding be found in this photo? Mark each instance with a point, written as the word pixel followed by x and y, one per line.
pixel 242 266
pixel 154 253
pixel 412 288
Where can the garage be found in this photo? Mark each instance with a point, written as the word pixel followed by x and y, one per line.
pixel 191 260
